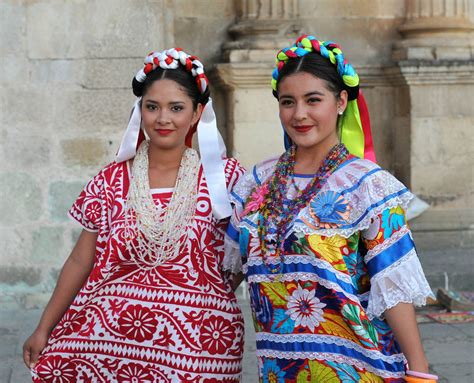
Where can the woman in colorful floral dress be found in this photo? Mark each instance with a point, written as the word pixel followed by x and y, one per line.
pixel 142 297
pixel 325 248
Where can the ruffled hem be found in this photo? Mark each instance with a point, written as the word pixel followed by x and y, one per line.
pixel 402 282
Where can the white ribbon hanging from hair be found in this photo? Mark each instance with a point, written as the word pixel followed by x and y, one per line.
pixel 128 146
pixel 211 147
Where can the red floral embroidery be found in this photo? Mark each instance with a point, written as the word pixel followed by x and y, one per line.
pixel 72 322
pixel 217 335
pixel 134 373
pixel 93 210
pixel 55 369
pixel 138 323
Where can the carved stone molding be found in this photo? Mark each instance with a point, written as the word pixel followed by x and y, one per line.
pixel 436 30
pixel 262 27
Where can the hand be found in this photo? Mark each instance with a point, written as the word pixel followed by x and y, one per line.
pixel 33 347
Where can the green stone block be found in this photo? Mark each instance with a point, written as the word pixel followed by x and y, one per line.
pixel 48 245
pixel 20 198
pixel 61 197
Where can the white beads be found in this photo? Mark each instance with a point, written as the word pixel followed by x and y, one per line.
pixel 155 234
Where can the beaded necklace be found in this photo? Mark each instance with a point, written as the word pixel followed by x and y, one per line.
pixel 277 212
pixel 153 233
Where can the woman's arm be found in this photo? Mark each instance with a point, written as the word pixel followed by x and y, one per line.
pixel 236 280
pixel 75 271
pixel 402 320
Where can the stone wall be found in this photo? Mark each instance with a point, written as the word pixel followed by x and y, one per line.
pixel 65 97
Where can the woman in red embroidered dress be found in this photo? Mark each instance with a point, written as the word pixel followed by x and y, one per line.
pixel 142 297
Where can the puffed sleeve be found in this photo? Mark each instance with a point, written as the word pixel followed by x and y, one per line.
pixel 395 271
pixel 232 258
pixel 88 209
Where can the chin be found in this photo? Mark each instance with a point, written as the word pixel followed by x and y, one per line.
pixel 166 144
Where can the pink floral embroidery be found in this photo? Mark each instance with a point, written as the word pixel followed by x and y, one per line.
pixel 256 199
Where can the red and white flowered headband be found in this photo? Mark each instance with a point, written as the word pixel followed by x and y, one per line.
pixel 211 144
pixel 172 59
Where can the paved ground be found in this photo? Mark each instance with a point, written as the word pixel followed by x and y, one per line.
pixel 450 348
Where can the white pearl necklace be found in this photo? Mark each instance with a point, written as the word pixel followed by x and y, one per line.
pixel 153 233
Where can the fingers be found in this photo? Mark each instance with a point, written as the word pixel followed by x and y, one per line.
pixel 27 356
pixel 34 357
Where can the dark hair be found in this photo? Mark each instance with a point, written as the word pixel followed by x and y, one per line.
pixel 315 64
pixel 181 76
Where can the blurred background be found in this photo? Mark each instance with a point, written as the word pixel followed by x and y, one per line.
pixel 65 91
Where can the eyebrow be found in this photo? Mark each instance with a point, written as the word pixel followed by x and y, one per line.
pixel 313 93
pixel 171 103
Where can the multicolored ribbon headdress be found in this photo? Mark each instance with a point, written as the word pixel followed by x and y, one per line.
pixel 211 144
pixel 355 123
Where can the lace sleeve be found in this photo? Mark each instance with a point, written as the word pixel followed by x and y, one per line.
pixel 395 271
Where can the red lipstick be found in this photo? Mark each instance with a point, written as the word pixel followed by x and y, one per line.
pixel 164 132
pixel 303 128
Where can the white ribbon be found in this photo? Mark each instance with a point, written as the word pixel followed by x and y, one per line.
pixel 211 147
pixel 128 146
pixel 213 150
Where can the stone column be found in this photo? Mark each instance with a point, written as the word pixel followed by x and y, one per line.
pixel 435 152
pixel 262 27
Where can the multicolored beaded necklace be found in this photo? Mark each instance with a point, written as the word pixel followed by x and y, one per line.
pixel 277 212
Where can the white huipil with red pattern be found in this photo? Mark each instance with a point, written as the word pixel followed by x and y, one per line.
pixel 177 322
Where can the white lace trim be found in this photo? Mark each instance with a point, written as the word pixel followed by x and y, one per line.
pixel 372 253
pixel 299 276
pixel 328 339
pixel 323 356
pixel 403 281
pixel 232 258
pixel 289 259
pixel 365 186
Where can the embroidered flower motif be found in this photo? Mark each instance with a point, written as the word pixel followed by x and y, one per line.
pixel 217 335
pixel 93 210
pixel 272 372
pixel 329 209
pixel 134 373
pixel 56 369
pixel 72 322
pixel 138 323
pixel 256 199
pixel 305 309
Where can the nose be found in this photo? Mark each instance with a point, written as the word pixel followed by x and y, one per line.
pixel 162 117
pixel 300 112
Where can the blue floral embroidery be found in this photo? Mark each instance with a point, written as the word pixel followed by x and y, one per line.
pixel 272 373
pixel 282 323
pixel 262 306
pixel 244 242
pixel 330 207
pixel 391 222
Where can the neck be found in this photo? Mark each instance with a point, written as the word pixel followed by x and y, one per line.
pixel 165 159
pixel 309 159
